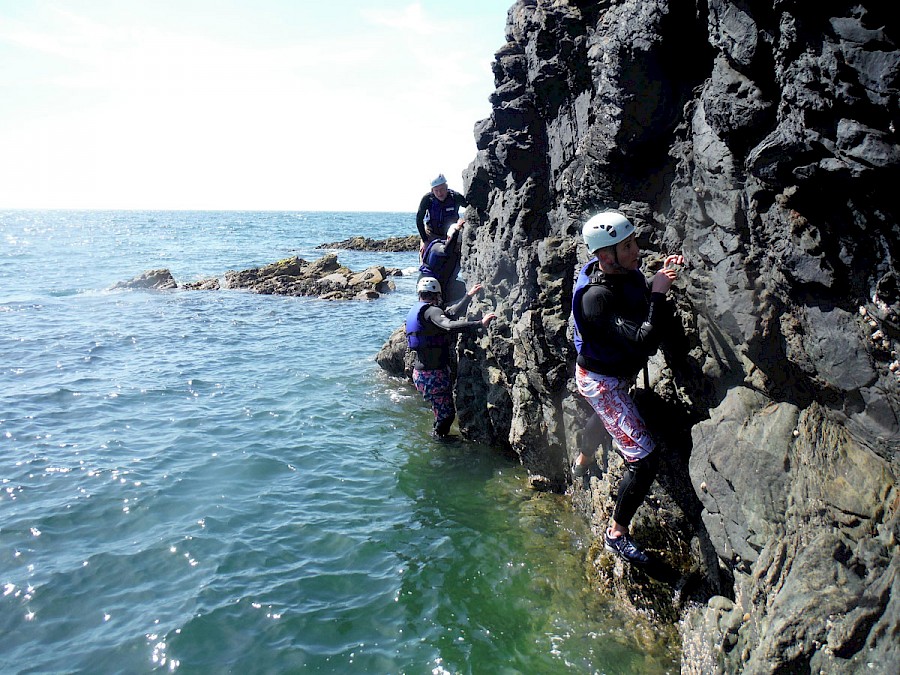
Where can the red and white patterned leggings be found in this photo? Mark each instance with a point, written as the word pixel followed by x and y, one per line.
pixel 609 398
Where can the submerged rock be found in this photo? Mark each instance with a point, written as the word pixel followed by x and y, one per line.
pixel 158 280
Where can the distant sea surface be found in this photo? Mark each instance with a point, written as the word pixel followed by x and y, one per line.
pixel 217 481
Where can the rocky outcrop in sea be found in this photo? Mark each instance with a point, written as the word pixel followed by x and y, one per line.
pixel 761 140
pixel 389 245
pixel 324 278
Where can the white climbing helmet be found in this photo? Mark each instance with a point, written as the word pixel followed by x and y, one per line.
pixel 440 180
pixel 428 285
pixel 606 229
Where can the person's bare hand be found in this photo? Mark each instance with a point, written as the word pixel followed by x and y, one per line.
pixel 475 289
pixel 487 318
pixel 672 260
pixel 663 280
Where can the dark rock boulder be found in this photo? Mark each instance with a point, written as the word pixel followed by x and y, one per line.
pixel 394 357
pixel 324 278
pixel 389 245
pixel 760 139
pixel 157 280
pixel 211 284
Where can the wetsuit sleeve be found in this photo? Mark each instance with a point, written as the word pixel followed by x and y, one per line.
pixel 649 335
pixel 461 199
pixel 458 308
pixel 436 316
pixel 420 215
pixel 598 309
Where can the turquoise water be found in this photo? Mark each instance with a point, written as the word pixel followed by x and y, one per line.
pixel 225 482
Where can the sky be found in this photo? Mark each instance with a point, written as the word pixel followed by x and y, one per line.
pixel 334 105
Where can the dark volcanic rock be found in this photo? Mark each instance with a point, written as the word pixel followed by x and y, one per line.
pixel 394 357
pixel 325 278
pixel 158 280
pixel 389 245
pixel 211 284
pixel 761 139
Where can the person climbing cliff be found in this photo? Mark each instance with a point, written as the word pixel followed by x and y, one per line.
pixel 438 210
pixel 428 332
pixel 441 260
pixel 619 319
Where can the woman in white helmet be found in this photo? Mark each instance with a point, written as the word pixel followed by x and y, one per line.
pixel 428 331
pixel 619 321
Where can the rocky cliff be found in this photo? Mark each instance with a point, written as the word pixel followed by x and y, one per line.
pixel 759 139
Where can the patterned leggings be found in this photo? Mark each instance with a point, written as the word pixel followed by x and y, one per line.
pixel 437 388
pixel 609 398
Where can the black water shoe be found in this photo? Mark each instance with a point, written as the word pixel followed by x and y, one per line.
pixel 625 548
pixel 582 470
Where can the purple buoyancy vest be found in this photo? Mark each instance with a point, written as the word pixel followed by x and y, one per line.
pixel 416 334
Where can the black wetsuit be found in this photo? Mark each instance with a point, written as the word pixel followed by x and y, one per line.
pixel 621 324
pixel 437 227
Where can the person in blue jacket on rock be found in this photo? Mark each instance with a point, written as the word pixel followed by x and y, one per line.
pixel 441 259
pixel 429 330
pixel 620 320
pixel 438 210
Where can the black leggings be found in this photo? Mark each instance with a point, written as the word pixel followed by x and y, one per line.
pixel 638 478
pixel 442 427
pixel 634 486
pixel 593 434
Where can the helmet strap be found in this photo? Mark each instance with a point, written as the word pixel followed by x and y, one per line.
pixel 616 257
pixel 613 264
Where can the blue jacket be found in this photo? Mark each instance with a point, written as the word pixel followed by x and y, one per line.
pixel 441 261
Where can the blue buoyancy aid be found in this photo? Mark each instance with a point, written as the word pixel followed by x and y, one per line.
pixel 588 275
pixel 441 260
pixel 620 350
pixel 416 333
pixel 442 214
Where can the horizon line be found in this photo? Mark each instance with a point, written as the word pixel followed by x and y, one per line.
pixel 197 210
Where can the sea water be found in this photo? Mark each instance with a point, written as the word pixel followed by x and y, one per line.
pixel 219 481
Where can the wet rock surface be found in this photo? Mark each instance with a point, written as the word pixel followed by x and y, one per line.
pixel 325 278
pixel 761 140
